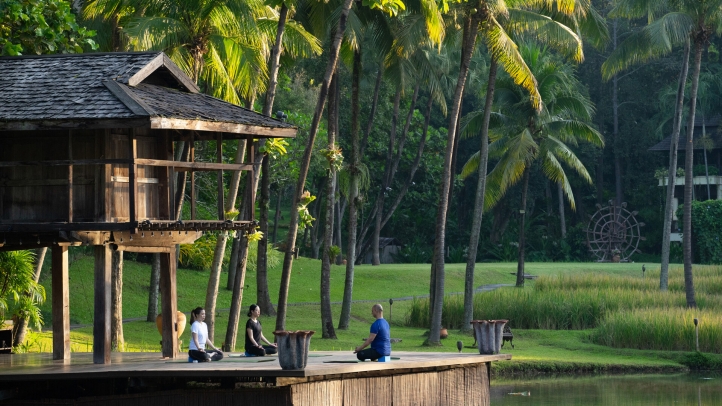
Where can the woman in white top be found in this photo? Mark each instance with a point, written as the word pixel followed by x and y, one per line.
pixel 199 339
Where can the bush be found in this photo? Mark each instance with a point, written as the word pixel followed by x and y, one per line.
pixel 706 230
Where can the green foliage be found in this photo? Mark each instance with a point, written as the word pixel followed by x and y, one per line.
pixel 20 295
pixel 699 170
pixel 199 255
pixel 274 147
pixel 305 219
pixel 41 27
pixel 706 230
pixel 662 172
pixel 334 155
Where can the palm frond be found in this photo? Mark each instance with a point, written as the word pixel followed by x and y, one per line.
pixel 547 31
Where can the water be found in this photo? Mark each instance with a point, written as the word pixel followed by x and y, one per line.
pixel 621 390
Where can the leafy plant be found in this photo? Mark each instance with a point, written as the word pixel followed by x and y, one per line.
pixel 334 156
pixel 20 295
pixel 334 251
pixel 706 230
pixel 305 219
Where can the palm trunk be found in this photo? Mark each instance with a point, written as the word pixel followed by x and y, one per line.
pixel 470 29
pixel 372 113
pixel 352 195
pixel 117 342
pixel 704 150
pixel 277 216
pixel 562 215
pixel 689 180
pixel 20 329
pixel 263 297
pixel 672 173
pixel 522 231
pixel 305 163
pixel 385 183
pixel 153 289
pixel 326 260
pixel 619 194
pixel 478 201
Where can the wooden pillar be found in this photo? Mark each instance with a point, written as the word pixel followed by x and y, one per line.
pixel 250 189
pixel 102 300
pixel 169 306
pixel 219 153
pixel 70 177
pixel 132 180
pixel 61 309
pixel 193 179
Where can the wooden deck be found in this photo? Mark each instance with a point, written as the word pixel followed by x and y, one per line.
pixel 42 366
pixel 140 378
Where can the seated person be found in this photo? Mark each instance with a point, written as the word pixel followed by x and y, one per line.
pixel 379 338
pixel 254 335
pixel 199 339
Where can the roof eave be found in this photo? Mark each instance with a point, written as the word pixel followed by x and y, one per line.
pixel 167 123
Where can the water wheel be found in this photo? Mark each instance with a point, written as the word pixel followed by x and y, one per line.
pixel 613 234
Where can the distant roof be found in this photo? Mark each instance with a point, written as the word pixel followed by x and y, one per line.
pixel 45 92
pixel 711 128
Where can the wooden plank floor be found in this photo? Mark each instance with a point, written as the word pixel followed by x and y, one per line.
pixel 41 366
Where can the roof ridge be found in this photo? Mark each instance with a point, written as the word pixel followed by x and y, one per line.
pixel 79 55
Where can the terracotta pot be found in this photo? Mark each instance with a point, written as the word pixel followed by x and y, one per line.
pixel 293 348
pixel 489 335
pixel 181 323
pixel 444 333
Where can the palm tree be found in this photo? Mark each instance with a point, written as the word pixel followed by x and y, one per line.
pixel 483 17
pixel 20 293
pixel 695 21
pixel 525 136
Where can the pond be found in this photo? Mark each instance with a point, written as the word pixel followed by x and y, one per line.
pixel 621 390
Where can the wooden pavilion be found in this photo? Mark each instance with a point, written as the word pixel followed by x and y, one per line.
pixel 87 158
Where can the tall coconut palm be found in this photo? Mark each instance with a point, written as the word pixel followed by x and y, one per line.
pixel 525 137
pixel 484 18
pixel 695 21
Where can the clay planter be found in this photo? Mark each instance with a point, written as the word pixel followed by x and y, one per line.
pixel 293 348
pixel 444 333
pixel 489 335
pixel 181 320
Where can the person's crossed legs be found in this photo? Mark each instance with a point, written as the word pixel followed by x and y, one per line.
pixel 368 353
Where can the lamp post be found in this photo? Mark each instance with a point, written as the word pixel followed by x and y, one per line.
pixel 391 303
pixel 696 334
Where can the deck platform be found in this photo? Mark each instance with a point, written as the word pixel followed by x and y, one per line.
pixel 330 378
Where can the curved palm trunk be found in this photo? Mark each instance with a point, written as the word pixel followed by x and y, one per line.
pixel 471 26
pixel 688 179
pixel 374 105
pixel 20 329
pixel 562 215
pixel 522 231
pixel 277 217
pixel 263 296
pixel 353 194
pixel 326 260
pixel 478 201
pixel 672 173
pixel 305 163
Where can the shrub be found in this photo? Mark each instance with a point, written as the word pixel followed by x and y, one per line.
pixel 706 230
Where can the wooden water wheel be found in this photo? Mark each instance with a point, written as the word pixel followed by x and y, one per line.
pixel 613 234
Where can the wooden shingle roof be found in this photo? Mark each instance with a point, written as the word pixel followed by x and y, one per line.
pixel 106 90
pixel 712 129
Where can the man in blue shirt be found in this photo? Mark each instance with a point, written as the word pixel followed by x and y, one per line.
pixel 379 338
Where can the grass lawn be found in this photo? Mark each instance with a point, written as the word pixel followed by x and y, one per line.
pixel 537 350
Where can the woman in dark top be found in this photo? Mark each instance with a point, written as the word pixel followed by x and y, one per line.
pixel 254 335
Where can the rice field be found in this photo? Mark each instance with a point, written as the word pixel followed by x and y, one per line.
pixel 623 311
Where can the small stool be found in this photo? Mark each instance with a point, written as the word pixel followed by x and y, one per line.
pixel 191 359
pixel 385 358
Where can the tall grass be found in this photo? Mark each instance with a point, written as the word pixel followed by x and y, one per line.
pixel 658 329
pixel 629 311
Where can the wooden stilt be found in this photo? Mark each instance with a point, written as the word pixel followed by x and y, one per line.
pixel 61 309
pixel 169 303
pixel 102 301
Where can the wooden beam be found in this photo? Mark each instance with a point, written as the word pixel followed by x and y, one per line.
pixel 44 182
pixel 70 176
pixel 219 155
pixel 168 296
pixel 155 238
pixel 63 162
pixel 132 180
pixel 146 250
pixel 165 150
pixel 224 127
pixel 61 303
pixel 193 179
pixel 66 124
pixel 64 226
pixel 126 179
pixel 163 61
pixel 102 298
pixel 196 166
pixel 137 106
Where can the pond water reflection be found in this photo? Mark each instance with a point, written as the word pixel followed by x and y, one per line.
pixel 623 390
